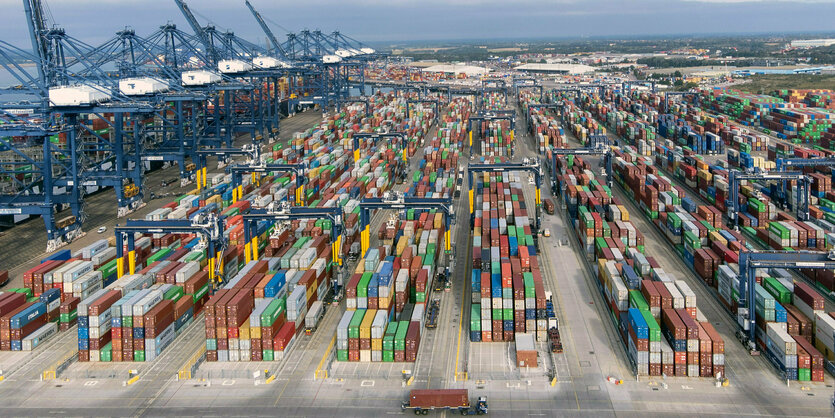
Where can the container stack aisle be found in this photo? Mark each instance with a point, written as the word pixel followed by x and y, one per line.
pixel 645 302
pixel 388 294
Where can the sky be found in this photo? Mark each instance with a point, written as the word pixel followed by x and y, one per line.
pixel 95 21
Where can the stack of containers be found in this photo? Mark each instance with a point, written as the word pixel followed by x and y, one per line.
pixel 80 276
pixel 709 248
pixel 507 288
pixel 136 320
pixel 259 313
pixel 657 316
pixel 387 294
pixel 543 123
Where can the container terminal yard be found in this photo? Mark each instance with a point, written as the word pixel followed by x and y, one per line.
pixel 312 231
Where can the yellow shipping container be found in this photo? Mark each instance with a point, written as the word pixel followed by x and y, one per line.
pixel 826 352
pixel 601 266
pixel 716 236
pixel 624 214
pixel 365 326
pixel 439 220
pixel 376 344
pixel 360 268
pixel 384 303
pixel 244 331
pixel 255 332
pixel 402 243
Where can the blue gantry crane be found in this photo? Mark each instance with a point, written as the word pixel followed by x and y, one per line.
pixel 281 212
pixel 531 166
pixel 597 148
pixel 253 151
pixel 521 83
pixel 208 226
pixel 69 95
pixel 751 261
pixel 801 205
pixel 398 201
pixel 259 168
pixel 490 115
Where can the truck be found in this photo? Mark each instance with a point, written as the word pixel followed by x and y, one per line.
pixel 432 314
pixel 424 400
pixel 549 206
pixel 314 315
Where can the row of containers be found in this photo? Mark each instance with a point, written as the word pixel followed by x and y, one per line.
pixel 543 121
pixel 801 122
pixel 656 315
pixel 581 123
pixel 758 212
pixel 55 289
pixel 712 251
pixel 259 314
pixel 706 245
pixel 388 294
pixel 495 137
pixel 508 293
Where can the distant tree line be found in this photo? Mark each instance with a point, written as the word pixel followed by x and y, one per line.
pixel 660 62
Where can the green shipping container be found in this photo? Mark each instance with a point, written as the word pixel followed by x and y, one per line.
pixel 400 337
pixel 776 289
pixel 354 325
pixel 106 353
pixel 654 329
pixel 362 287
pixel 273 311
pixel 269 355
pixel 138 355
pixel 174 293
pixel 637 300
pixel 475 317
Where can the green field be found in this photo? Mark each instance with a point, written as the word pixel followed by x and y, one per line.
pixel 767 83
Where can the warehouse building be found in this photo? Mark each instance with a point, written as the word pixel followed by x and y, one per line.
pixel 556 68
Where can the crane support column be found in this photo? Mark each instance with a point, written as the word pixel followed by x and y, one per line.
pixel 365 233
pixel 247 239
pixel 255 248
pixel 131 254
pixel 120 257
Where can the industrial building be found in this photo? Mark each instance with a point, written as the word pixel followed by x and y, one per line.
pixel 555 68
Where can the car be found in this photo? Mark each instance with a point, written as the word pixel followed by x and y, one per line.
pixel 457 194
pixel 101 229
pixel 546 233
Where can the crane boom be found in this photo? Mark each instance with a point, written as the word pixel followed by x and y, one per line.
pixel 37 28
pixel 198 30
pixel 265 28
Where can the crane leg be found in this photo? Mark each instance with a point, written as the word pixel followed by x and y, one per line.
pixel 132 261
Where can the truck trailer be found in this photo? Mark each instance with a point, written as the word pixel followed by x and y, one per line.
pixel 424 400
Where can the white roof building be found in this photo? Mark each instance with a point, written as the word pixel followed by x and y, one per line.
pixel 556 68
pixel 469 70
